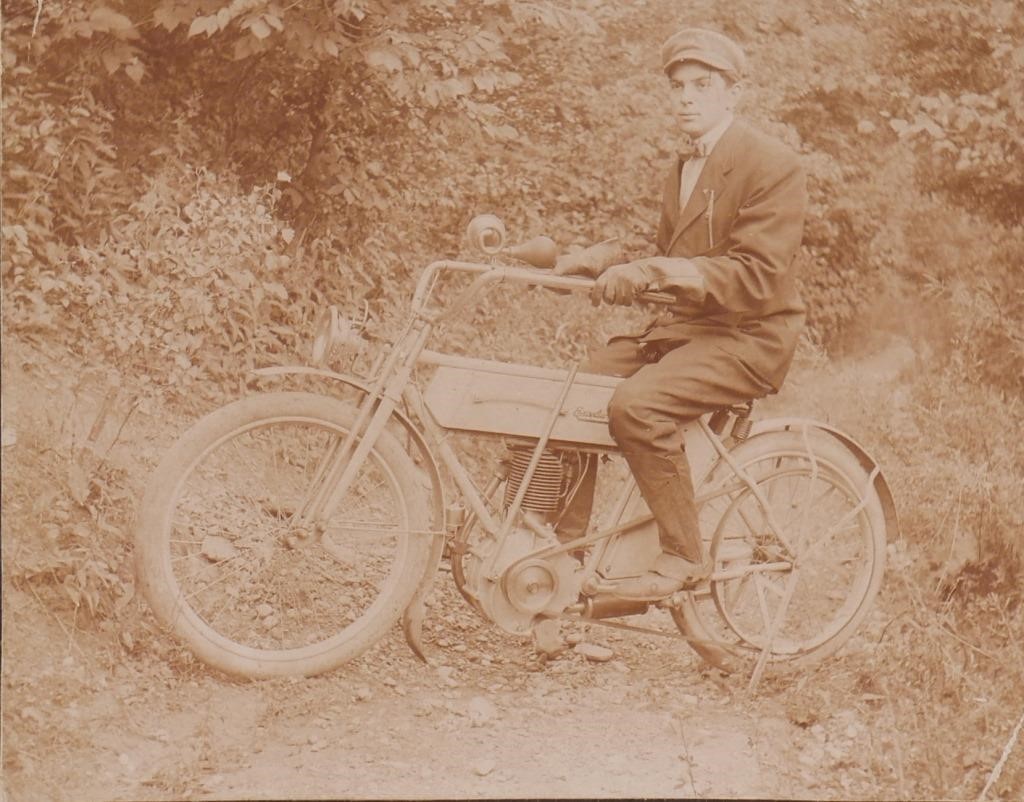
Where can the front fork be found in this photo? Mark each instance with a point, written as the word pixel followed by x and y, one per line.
pixel 340 466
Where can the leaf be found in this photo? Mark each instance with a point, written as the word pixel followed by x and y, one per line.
pixel 383 58
pixel 923 122
pixel 411 54
pixel 456 87
pixel 503 133
pixel 135 71
pixel 488 42
pixel 170 16
pixel 208 25
pixel 17 232
pixel 275 289
pixel 111 61
pixel 198 26
pixel 72 591
pixel 260 29
pixel 78 483
pixel 110 21
pixel 486 81
pixel 350 8
pixel 247 46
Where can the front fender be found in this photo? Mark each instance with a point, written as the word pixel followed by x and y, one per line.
pixel 869 463
pixel 412 618
pixel 428 461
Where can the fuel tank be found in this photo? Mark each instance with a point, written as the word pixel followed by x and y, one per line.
pixel 502 398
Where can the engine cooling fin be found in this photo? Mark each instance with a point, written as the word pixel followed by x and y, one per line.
pixel 546 488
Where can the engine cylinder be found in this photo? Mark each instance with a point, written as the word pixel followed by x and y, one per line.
pixel 544 493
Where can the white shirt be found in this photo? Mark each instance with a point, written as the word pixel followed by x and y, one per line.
pixel 693 166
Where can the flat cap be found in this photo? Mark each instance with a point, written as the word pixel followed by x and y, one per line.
pixel 707 47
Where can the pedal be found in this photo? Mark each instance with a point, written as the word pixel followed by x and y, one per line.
pixel 730 551
pixel 594 586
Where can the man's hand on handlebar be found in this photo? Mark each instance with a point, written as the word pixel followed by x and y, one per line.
pixel 621 284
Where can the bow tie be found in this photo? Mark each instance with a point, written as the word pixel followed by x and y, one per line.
pixel 693 150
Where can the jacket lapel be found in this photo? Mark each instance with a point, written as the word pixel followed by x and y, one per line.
pixel 712 177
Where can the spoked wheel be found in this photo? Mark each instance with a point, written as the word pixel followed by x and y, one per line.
pixel 230 559
pixel 801 564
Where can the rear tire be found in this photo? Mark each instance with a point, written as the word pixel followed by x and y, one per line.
pixel 226 565
pixel 830 516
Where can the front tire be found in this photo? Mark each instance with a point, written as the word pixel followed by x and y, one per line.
pixel 227 565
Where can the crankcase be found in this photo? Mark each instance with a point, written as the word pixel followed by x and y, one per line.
pixel 513 599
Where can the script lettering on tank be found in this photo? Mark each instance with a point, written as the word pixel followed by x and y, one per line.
pixel 594 415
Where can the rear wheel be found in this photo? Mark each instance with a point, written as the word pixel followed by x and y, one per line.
pixel 803 563
pixel 231 563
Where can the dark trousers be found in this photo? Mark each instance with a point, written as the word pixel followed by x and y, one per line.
pixel 667 384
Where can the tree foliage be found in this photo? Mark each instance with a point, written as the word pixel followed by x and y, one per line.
pixel 145 140
pixel 964 66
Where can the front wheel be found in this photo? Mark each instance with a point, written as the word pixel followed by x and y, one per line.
pixel 231 562
pixel 801 564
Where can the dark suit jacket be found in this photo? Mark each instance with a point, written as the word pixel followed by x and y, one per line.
pixel 742 228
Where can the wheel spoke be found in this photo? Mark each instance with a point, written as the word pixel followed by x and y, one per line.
pixel 814 553
pixel 240 560
pixel 220 580
pixel 761 600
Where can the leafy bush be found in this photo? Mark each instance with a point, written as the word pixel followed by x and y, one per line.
pixel 187 280
pixel 62 180
pixel 964 65
pixel 66 506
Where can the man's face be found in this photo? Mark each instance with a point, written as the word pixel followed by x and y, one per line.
pixel 702 96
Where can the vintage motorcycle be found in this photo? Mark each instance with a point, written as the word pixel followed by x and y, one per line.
pixel 287 532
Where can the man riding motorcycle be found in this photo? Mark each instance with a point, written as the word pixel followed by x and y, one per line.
pixel 731 224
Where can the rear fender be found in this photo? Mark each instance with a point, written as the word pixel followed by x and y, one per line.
pixel 412 618
pixel 868 462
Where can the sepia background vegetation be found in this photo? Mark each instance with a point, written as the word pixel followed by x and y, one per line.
pixel 186 182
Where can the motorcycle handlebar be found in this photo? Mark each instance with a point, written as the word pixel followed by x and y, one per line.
pixel 490 274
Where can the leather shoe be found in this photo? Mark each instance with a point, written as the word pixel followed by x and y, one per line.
pixel 649 587
pixel 687 571
pixel 670 574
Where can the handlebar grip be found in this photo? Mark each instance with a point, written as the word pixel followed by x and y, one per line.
pixel 664 298
pixel 540 252
pixel 555 281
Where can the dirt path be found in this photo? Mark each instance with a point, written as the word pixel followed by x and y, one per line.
pixel 487 719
